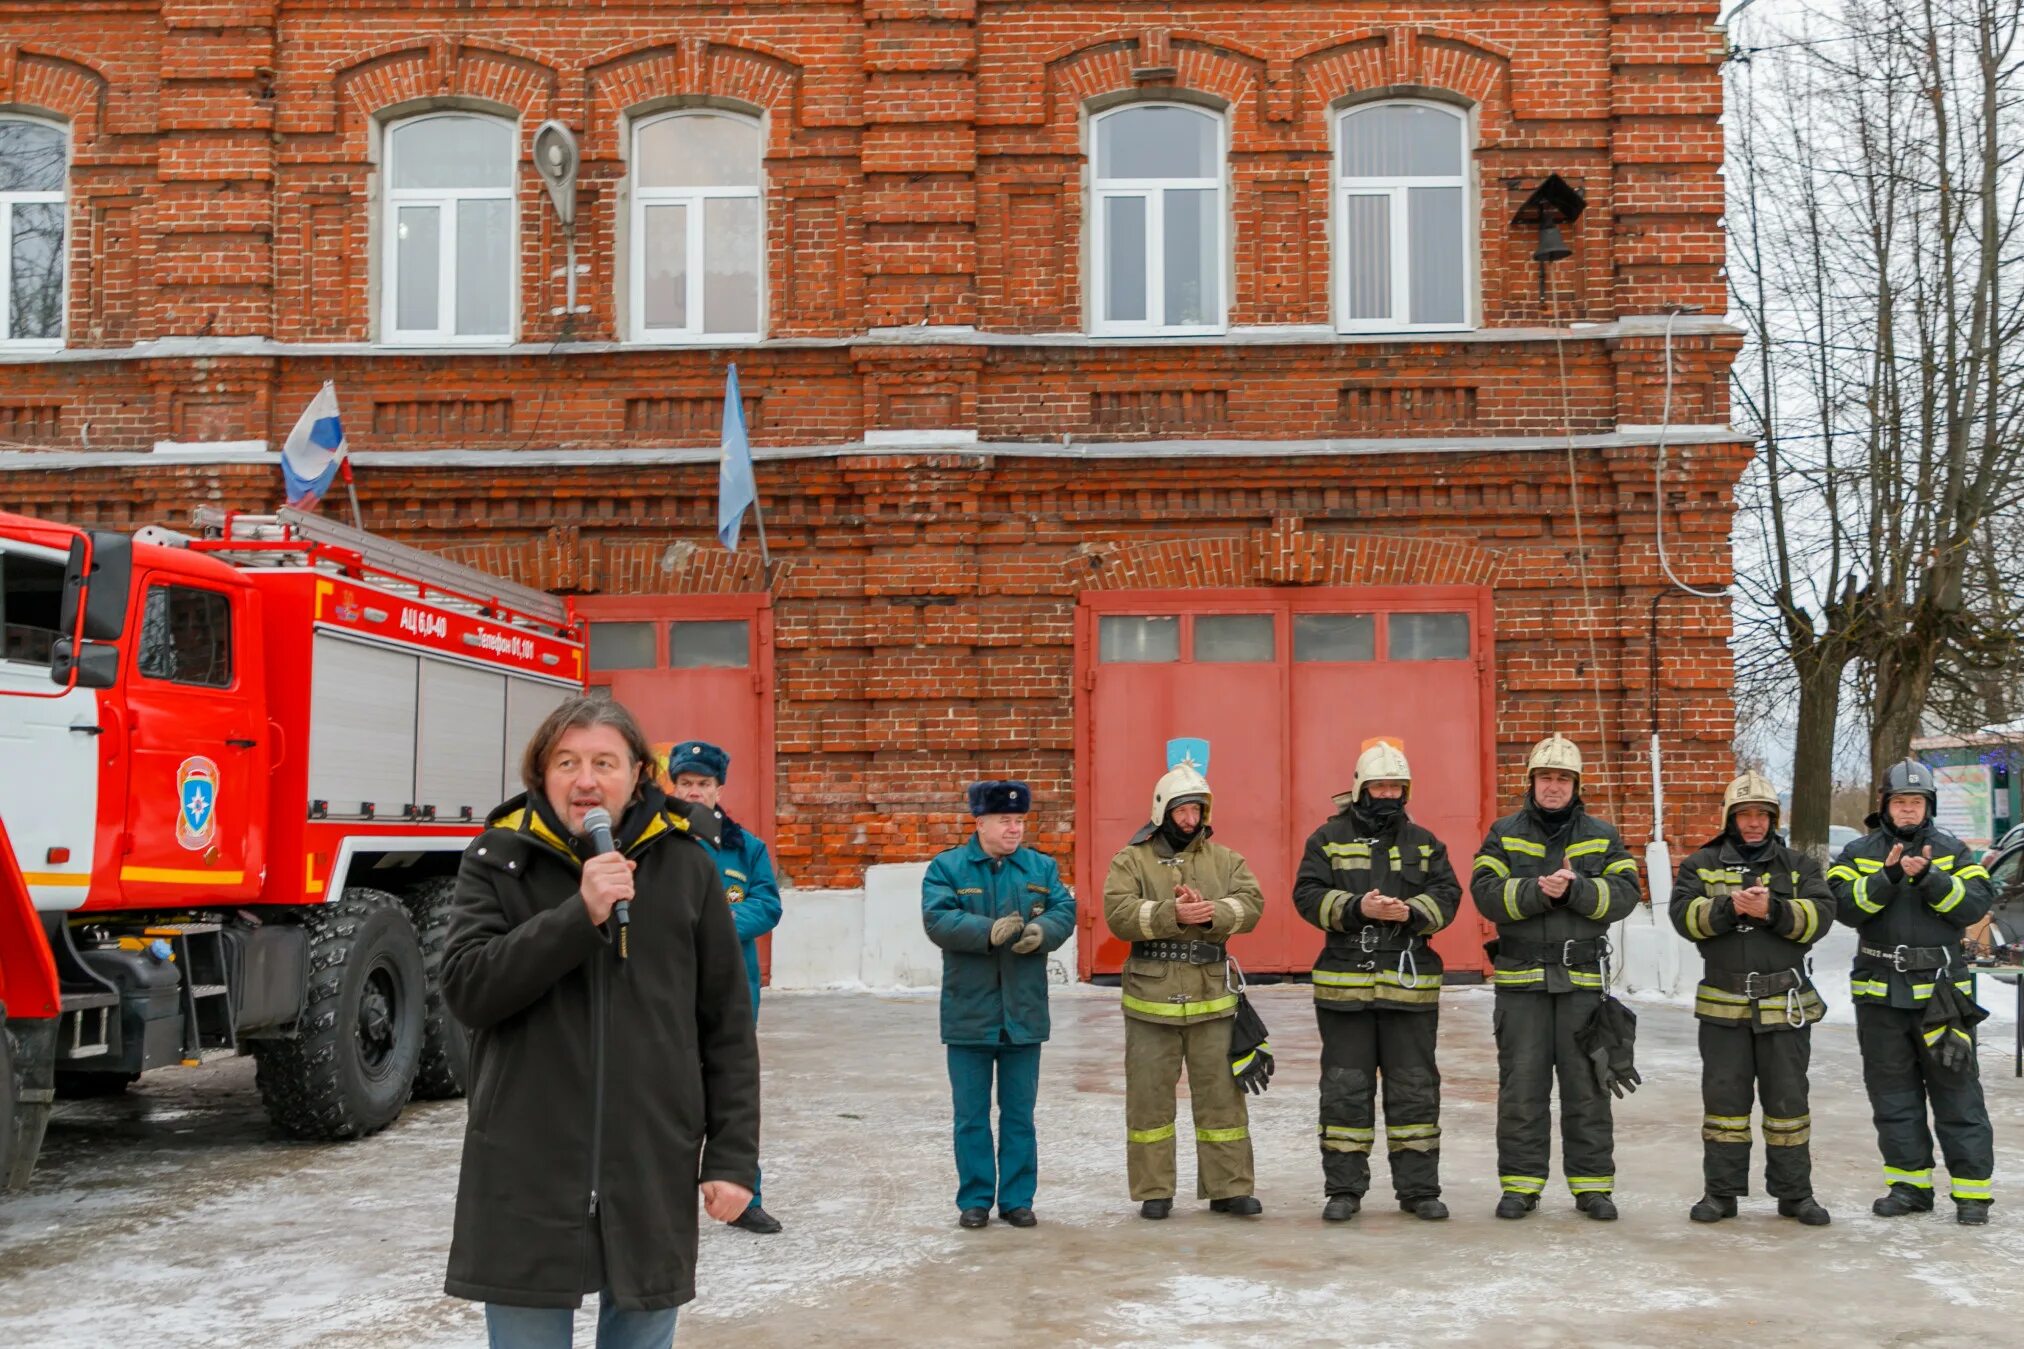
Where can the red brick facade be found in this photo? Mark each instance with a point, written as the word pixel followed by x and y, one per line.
pixel 924 182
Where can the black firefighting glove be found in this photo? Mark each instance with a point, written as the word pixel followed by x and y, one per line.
pixel 1895 872
pixel 1250 1051
pixel 1006 928
pixel 1609 1043
pixel 1029 940
pixel 1948 1028
pixel 1256 1074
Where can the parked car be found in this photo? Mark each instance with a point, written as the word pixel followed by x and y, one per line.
pixel 1839 836
pixel 2006 873
pixel 2010 840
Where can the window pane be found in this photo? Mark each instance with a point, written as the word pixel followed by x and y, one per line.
pixel 1366 257
pixel 1156 143
pixel 1334 637
pixel 1434 224
pixel 731 265
pixel 1192 293
pixel 667 267
pixel 417 267
pixel 1124 259
pixel 484 267
pixel 717 644
pixel 35 293
pixel 1133 639
pixel 1399 141
pixel 186 636
pixel 440 152
pixel 621 646
pixel 699 150
pixel 31 596
pixel 31 157
pixel 1428 637
pixel 1234 637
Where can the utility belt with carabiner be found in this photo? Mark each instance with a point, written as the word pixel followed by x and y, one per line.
pixel 1761 1000
pixel 1372 941
pixel 1574 951
pixel 1909 959
pixel 1756 983
pixel 1181 952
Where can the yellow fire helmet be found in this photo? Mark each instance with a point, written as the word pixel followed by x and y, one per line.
pixel 1182 784
pixel 1381 761
pixel 1751 789
pixel 1555 751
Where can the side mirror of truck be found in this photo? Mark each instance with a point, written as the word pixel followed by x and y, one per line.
pixel 97 667
pixel 104 589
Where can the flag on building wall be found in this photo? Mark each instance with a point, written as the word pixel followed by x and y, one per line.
pixel 736 492
pixel 313 450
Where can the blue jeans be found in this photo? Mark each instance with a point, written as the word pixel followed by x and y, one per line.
pixel 1009 1173
pixel 550 1327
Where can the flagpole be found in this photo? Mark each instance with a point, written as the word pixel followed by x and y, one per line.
pixel 358 520
pixel 759 519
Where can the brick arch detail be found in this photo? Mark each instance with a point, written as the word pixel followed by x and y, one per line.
pixel 1285 554
pixel 1101 67
pixel 744 72
pixel 565 559
pixel 1404 58
pixel 445 67
pixel 38 79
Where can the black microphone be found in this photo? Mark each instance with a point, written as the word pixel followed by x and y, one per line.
pixel 597 824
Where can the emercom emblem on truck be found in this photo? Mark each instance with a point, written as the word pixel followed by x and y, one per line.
pixel 197 791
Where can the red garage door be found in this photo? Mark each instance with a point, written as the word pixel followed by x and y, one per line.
pixel 696 667
pixel 1286 689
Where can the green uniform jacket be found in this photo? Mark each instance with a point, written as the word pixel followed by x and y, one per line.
pixel 1704 912
pixel 1365 962
pixel 1138 905
pixel 1946 900
pixel 1519 850
pixel 991 996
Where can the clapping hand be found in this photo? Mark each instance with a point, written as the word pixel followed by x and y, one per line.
pixel 1383 908
pixel 1554 885
pixel 1190 909
pixel 1754 902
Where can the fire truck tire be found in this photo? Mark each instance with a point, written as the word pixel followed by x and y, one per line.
pixel 446 1045
pixel 351 1066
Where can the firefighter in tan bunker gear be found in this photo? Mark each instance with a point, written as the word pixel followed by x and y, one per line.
pixel 1177 897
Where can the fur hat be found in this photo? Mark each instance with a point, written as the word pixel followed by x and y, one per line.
pixel 1000 798
pixel 698 756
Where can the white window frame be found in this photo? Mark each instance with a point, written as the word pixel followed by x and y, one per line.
pixel 1396 189
pixel 1152 191
pixel 8 201
pixel 447 202
pixel 691 198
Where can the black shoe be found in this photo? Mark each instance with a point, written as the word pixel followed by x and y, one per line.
pixel 1426 1208
pixel 1596 1205
pixel 1712 1208
pixel 1341 1207
pixel 756 1219
pixel 1155 1208
pixel 1971 1212
pixel 974 1217
pixel 1514 1205
pixel 1901 1200
pixel 1243 1205
pixel 1807 1210
pixel 1018 1217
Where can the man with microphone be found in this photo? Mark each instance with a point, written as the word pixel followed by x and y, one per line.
pixel 614 1075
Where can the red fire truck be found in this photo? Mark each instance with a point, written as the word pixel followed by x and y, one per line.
pixel 240 766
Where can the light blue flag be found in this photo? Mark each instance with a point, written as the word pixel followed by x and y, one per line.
pixel 736 492
pixel 1189 750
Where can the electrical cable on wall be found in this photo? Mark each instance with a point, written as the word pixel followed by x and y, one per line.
pixel 1581 546
pixel 1659 476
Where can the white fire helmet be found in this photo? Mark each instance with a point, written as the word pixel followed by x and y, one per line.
pixel 1381 761
pixel 1182 784
pixel 1751 789
pixel 1555 751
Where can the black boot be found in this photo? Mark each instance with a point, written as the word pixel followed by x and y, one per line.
pixel 1018 1217
pixel 1712 1208
pixel 1341 1207
pixel 1243 1205
pixel 1807 1210
pixel 974 1217
pixel 1901 1200
pixel 1971 1212
pixel 1514 1205
pixel 1155 1208
pixel 1426 1207
pixel 756 1219
pixel 1597 1205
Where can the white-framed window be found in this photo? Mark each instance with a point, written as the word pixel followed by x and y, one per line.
pixel 698 229
pixel 34 159
pixel 450 259
pixel 1157 217
pixel 1405 235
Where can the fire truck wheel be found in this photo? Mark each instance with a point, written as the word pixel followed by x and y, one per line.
pixel 446 1045
pixel 351 1065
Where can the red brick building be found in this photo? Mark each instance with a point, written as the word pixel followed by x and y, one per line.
pixel 1118 370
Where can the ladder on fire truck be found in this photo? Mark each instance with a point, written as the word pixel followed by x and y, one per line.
pixel 394 567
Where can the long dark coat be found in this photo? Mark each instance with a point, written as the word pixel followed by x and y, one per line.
pixel 602 1090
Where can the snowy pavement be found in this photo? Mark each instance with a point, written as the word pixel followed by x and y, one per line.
pixel 174 1217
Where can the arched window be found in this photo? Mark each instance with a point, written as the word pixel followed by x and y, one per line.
pixel 698 228
pixel 33 159
pixel 1405 241
pixel 450 268
pixel 1158 220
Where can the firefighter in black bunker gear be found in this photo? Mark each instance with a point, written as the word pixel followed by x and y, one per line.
pixel 1552 878
pixel 1379 886
pixel 1755 908
pixel 1910 889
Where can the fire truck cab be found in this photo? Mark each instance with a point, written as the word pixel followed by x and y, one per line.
pixel 242 765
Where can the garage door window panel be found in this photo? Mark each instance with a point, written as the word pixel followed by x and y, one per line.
pixel 622 646
pixel 1427 636
pixel 1334 637
pixel 1135 639
pixel 710 644
pixel 1235 638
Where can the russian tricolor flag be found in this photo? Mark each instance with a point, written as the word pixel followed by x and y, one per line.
pixel 313 450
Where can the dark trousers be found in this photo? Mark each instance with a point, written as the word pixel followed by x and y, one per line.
pixel 1740 1066
pixel 1009 1172
pixel 1535 1047
pixel 1358 1048
pixel 1902 1085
